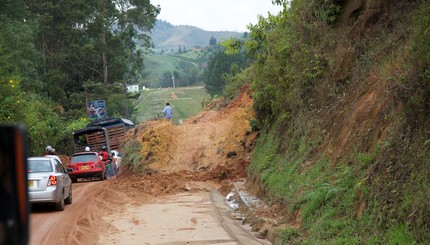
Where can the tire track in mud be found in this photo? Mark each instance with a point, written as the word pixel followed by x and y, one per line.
pixel 77 224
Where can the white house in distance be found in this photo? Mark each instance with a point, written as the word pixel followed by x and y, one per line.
pixel 133 88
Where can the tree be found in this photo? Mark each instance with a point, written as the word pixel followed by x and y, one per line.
pixel 212 41
pixel 89 41
pixel 219 65
pixel 166 80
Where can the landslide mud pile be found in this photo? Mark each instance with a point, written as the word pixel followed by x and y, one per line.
pixel 213 145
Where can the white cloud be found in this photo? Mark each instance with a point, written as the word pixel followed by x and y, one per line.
pixel 215 15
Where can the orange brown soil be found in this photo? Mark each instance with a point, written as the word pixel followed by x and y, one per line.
pixel 214 145
pixel 208 151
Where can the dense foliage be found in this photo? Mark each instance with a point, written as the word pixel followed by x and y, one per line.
pixel 58 54
pixel 221 68
pixel 312 64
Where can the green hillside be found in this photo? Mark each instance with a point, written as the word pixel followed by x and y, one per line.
pixel 188 65
pixel 167 36
pixel 155 65
pixel 342 95
pixel 184 101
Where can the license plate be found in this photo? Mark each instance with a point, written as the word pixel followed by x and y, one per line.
pixel 30 183
pixel 85 167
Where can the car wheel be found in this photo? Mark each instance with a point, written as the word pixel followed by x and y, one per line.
pixel 60 205
pixel 69 198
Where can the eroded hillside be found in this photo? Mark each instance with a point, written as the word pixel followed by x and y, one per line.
pixel 214 145
pixel 344 96
pixel 340 90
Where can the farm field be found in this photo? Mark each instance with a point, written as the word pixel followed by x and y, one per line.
pixel 186 101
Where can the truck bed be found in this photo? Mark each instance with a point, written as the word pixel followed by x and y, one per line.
pixel 116 136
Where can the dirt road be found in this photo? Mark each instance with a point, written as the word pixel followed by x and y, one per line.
pixel 48 226
pixel 100 214
pixel 188 218
pixel 176 199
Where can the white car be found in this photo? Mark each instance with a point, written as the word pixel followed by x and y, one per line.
pixel 48 182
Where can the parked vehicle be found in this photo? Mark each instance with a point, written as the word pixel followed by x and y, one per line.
pixel 86 165
pixel 116 129
pixel 48 182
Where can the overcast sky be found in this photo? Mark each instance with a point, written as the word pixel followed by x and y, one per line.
pixel 215 15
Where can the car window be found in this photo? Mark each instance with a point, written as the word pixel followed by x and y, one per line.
pixel 62 168
pixel 58 167
pixel 39 166
pixel 84 158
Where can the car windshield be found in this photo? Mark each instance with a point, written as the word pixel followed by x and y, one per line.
pixel 84 158
pixel 39 166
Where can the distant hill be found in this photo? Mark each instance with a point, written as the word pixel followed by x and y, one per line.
pixel 167 36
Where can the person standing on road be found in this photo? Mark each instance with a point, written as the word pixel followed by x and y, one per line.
pixel 168 111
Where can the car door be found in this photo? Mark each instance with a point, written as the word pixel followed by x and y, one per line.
pixel 63 177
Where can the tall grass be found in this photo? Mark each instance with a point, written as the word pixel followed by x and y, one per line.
pixel 327 196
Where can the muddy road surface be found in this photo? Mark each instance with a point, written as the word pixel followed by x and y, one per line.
pixel 172 195
pixel 102 213
pixel 70 226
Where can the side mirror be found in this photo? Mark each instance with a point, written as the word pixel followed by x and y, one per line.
pixel 14 211
pixel 101 158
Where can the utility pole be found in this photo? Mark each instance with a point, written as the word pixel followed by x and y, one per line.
pixel 173 80
pixel 126 99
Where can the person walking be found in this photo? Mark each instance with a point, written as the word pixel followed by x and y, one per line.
pixel 168 111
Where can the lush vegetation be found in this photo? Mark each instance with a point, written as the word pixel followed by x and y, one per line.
pixel 342 100
pixel 220 68
pixel 56 55
pixel 159 69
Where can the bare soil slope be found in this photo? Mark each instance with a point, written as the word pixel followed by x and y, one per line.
pixel 213 145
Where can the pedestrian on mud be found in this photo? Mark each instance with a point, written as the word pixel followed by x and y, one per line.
pixel 168 111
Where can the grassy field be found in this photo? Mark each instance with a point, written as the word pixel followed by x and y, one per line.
pixel 158 64
pixel 185 102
